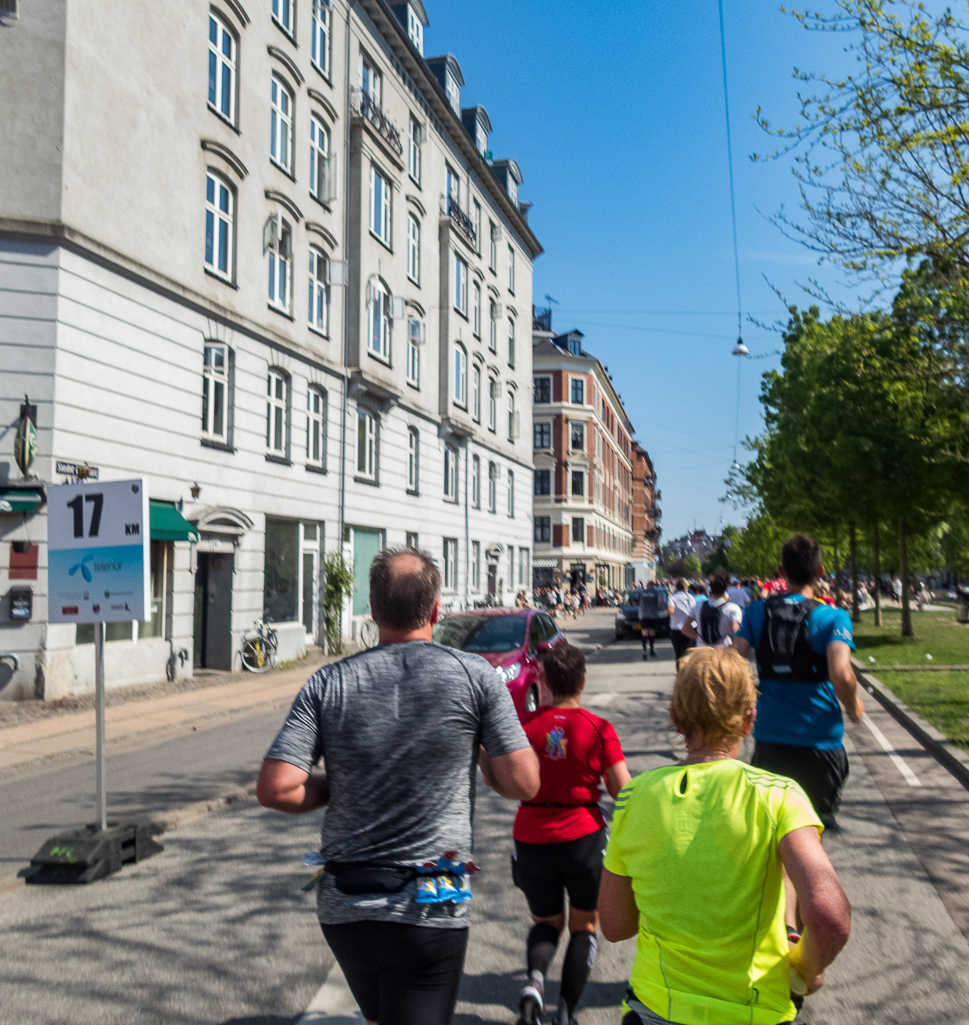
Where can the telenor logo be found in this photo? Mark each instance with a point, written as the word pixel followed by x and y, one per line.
pixel 82 566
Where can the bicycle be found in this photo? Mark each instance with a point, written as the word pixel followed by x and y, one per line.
pixel 369 634
pixel 259 652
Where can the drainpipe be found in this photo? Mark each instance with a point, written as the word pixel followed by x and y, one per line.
pixel 467 526
pixel 341 527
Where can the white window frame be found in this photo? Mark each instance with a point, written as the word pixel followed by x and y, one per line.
pixel 476 393
pixel 366 443
pixel 413 369
pixel 415 30
pixel 283 14
pixel 492 325
pixel 581 424
pixel 572 383
pixel 413 460
pixel 476 309
pixel 460 381
pixel 493 251
pixel 492 487
pixel 450 581
pixel 475 565
pixel 371 80
pixel 511 496
pixel 511 269
pixel 219 225
pixel 476 221
pixel 381 206
pixel 511 341
pixel 450 473
pixel 511 416
pixel 222 69
pixel 476 482
pixel 282 104
pixel 215 381
pixel 536 426
pixel 316 433
pixel 318 309
pixel 281 269
pixel 277 413
pixel 493 387
pixel 536 379
pixel 414 249
pixel 319 160
pixel 320 37
pixel 415 131
pixel 460 285
pixel 380 324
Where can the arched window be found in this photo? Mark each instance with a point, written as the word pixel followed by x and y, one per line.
pixel 476 393
pixel 319 293
pixel 379 319
pixel 511 342
pixel 219 218
pixel 320 37
pixel 320 185
pixel 413 249
pixel 316 426
pixel 492 404
pixel 460 376
pixel 222 68
pixel 512 417
pixel 280 251
pixel 281 125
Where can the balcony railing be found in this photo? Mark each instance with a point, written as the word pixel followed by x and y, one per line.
pixel 367 107
pixel 462 221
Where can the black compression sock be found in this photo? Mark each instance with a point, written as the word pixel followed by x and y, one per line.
pixel 580 956
pixel 543 938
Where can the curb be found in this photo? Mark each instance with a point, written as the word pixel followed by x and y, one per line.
pixel 947 754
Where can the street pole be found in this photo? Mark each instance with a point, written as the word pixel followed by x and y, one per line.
pixel 99 724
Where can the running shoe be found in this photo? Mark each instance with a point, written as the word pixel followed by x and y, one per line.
pixel 530 1006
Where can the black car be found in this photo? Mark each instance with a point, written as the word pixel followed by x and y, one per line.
pixel 627 617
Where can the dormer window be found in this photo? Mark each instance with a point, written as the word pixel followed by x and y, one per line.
pixel 513 190
pixel 415 30
pixel 453 92
pixel 481 139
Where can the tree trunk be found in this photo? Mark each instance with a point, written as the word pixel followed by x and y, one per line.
pixel 903 573
pixel 878 577
pixel 853 540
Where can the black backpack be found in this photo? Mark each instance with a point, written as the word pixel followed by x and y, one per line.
pixel 709 622
pixel 784 651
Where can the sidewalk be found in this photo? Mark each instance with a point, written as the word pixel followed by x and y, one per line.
pixel 184 710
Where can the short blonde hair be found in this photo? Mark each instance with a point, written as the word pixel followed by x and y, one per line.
pixel 713 693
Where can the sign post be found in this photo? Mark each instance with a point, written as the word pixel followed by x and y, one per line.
pixel 101 781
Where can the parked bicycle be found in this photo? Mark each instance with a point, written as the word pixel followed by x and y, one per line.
pixel 259 648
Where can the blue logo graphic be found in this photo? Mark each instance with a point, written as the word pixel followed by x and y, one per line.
pixel 82 566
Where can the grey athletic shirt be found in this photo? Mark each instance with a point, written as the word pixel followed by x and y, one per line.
pixel 398 728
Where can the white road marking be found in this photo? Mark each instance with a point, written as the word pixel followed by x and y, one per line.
pixel 605 698
pixel 899 762
pixel 333 1003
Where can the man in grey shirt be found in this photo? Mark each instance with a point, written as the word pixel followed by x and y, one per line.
pixel 400 729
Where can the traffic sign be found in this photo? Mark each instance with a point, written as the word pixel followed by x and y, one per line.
pixel 98 552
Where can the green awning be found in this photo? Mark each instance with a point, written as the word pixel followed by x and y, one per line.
pixel 20 500
pixel 168 524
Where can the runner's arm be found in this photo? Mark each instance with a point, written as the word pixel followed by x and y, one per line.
pixel 618 914
pixel 742 645
pixel 514 775
pixel 821 901
pixel 286 787
pixel 688 629
pixel 842 676
pixel 616 777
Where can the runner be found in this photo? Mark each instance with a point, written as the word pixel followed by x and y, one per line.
pixel 650 614
pixel 713 621
pixel 560 834
pixel 694 870
pixel 681 603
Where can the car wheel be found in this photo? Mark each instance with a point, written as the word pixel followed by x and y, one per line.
pixel 531 699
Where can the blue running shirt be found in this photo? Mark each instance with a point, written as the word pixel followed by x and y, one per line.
pixel 800 714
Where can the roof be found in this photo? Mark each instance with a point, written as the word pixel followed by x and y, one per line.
pixel 450 62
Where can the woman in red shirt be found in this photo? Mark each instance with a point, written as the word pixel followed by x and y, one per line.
pixel 560 836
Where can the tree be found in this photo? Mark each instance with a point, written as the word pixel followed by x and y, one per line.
pixel 692 567
pixel 755 551
pixel 882 154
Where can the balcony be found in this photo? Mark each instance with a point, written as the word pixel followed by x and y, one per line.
pixel 462 222
pixel 365 106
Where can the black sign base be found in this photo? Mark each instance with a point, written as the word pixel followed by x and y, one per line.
pixel 87 854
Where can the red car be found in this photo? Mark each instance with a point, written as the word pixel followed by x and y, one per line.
pixel 511 640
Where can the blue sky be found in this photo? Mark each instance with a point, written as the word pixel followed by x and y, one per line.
pixel 615 113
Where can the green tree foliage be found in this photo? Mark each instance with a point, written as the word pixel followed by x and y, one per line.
pixel 755 551
pixel 692 567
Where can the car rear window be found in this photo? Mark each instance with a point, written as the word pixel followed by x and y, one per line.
pixel 482 633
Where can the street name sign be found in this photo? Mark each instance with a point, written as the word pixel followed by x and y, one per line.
pixel 98 552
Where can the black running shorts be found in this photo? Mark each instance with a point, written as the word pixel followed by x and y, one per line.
pixel 821 773
pixel 400 974
pixel 545 872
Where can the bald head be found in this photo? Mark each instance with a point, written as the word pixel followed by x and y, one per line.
pixel 404 587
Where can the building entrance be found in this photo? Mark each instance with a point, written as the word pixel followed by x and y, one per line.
pixel 213 611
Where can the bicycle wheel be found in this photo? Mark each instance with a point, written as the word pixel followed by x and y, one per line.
pixel 369 635
pixel 255 656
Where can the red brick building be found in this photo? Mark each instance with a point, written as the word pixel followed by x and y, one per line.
pixel 646 515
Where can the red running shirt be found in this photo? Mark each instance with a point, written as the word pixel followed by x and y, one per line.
pixel 574 749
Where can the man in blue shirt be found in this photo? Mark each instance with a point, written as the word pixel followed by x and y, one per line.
pixel 803 656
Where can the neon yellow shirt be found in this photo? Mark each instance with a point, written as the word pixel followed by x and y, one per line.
pixel 700 843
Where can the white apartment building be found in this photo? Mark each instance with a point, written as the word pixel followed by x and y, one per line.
pixel 257 252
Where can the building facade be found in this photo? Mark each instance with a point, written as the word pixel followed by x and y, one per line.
pixel 257 252
pixel 582 443
pixel 646 516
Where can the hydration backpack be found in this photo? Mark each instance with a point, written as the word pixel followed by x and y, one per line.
pixel 709 622
pixel 784 651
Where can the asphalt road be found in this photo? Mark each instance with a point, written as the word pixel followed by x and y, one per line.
pixel 215 930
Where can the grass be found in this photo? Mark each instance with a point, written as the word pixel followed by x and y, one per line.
pixel 941 698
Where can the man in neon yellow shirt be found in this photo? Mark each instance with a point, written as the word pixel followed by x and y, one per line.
pixel 695 869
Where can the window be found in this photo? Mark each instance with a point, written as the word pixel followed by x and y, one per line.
pixel 411 539
pixel 460 285
pixel 523 560
pixel 513 189
pixel 380 200
pixel 415 30
pixel 218 226
pixel 543 482
pixel 511 270
pixel 222 69
pixel 453 92
pixel 492 405
pixel 319 293
pixel 511 494
pixel 476 481
pixel 460 376
pixel 543 390
pixel 511 342
pixel 371 82
pixel 475 565
pixel 476 221
pixel 316 427
pixel 542 435
pixel 413 459
pixel 542 529
pixel 413 353
pixel 281 126
pixel 476 393
pixel 578 483
pixel 321 170
pixel 494 233
pixel 415 133
pixel 277 409
pixel 492 488
pixel 453 186
pixel 280 263
pixel 578 391
pixel 578 530
pixel 283 14
pixel 281 590
pixel 215 384
pixel 380 321
pixel 476 310
pixel 413 249
pixel 366 445
pixel 493 325
pixel 577 436
pixel 320 37
pixel 512 417
pixel 450 473
pixel 450 582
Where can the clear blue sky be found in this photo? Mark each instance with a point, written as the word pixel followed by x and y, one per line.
pixel 615 113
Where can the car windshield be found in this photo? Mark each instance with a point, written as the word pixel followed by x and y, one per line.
pixel 633 597
pixel 482 633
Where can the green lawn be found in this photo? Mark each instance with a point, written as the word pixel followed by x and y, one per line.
pixel 941 698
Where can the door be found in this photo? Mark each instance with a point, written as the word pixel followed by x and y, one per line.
pixel 366 545
pixel 492 579
pixel 213 611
